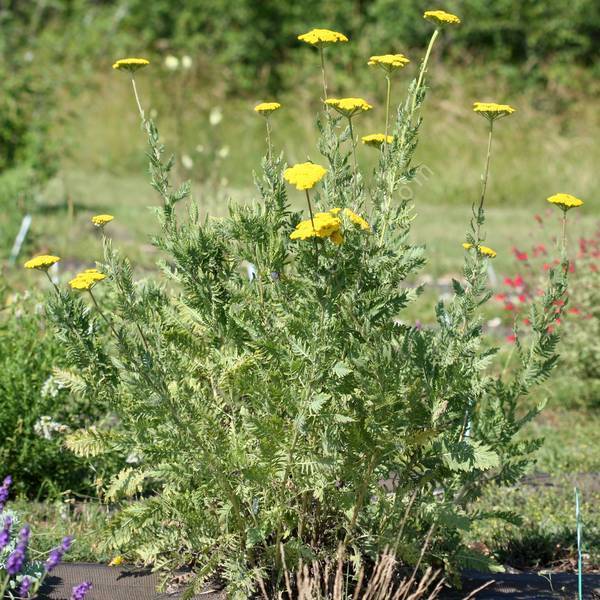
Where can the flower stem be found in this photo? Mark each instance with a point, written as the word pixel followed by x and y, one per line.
pixel 137 99
pixel 422 71
pixel 269 138
pixel 387 111
pixel 564 234
pixel 109 323
pixel 312 222
pixel 484 180
pixel 322 54
pixel 354 177
pixel 57 291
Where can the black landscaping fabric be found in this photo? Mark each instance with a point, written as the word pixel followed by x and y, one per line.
pixel 112 583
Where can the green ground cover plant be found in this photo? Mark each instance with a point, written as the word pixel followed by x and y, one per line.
pixel 261 414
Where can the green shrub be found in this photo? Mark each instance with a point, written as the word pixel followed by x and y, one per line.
pixel 261 414
pixel 36 409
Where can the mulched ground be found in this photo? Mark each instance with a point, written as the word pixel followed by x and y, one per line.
pixel 133 584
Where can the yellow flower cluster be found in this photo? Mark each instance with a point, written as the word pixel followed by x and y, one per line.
pixel 356 219
pixel 491 110
pixel 101 220
pixel 328 225
pixel 565 201
pixel 266 108
pixel 320 37
pixel 388 62
pixel 130 64
pixel 42 262
pixel 86 280
pixel 304 175
pixel 482 250
pixel 441 17
pixel 348 107
pixel 376 139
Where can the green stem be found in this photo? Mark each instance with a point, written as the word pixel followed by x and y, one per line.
pixel 354 175
pixel 484 180
pixel 312 222
pixel 564 234
pixel 137 98
pixel 57 291
pixel 322 54
pixel 109 323
pixel 422 71
pixel 269 138
pixel 387 111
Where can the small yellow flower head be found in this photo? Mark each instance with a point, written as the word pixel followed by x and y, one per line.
pixel 388 62
pixel 42 262
pixel 337 238
pixel 348 107
pixel 356 219
pixel 86 280
pixel 325 225
pixel 493 111
pixel 116 561
pixel 565 201
pixel 130 64
pixel 304 175
pixel 266 108
pixel 321 37
pixel 441 17
pixel 482 250
pixel 376 139
pixel 101 220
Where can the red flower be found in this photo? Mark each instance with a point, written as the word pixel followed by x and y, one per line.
pixel 574 311
pixel 511 338
pixel 522 298
pixel 539 219
pixel 508 281
pixel 547 267
pixel 518 281
pixel 500 297
pixel 526 321
pixel 509 306
pixel 520 255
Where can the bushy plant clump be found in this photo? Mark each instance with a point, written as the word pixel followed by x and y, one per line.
pixel 273 405
pixel 36 409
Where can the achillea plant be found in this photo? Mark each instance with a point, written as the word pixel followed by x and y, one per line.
pixel 291 414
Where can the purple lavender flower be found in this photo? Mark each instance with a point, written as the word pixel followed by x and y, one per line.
pixel 25 588
pixel 14 562
pixel 81 590
pixel 5 533
pixel 56 554
pixel 4 489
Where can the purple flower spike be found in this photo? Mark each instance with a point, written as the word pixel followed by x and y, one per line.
pixel 57 554
pixel 25 588
pixel 14 562
pixel 5 533
pixel 4 489
pixel 81 590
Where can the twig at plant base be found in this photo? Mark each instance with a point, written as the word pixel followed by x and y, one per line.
pixel 479 589
pixel 423 550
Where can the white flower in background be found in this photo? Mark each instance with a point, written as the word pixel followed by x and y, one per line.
pixel 200 148
pixel 28 56
pixel 224 182
pixel 45 427
pixel 171 62
pixel 187 161
pixel 153 113
pixel 223 152
pixel 51 387
pixel 215 116
pixel 132 459
pixel 186 61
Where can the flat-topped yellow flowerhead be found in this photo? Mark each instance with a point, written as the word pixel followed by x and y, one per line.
pixel 86 280
pixel 493 111
pixel 325 225
pixel 101 220
pixel 353 217
pixel 348 107
pixel 304 175
pixel 388 62
pixel 441 17
pixel 42 262
pixel 565 201
pixel 266 108
pixel 376 140
pixel 130 64
pixel 482 250
pixel 322 37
